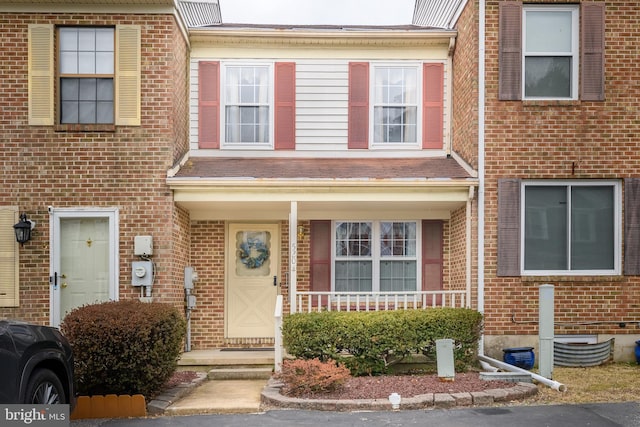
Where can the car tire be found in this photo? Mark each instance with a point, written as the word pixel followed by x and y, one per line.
pixel 44 388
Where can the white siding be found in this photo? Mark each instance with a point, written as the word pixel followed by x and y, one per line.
pixel 321 107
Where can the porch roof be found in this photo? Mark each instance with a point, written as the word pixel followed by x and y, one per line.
pixel 263 188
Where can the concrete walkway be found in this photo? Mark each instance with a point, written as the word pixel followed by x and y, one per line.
pixel 220 397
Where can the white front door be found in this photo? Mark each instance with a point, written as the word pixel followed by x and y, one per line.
pixel 83 259
pixel 252 274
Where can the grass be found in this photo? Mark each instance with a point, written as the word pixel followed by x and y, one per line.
pixel 613 382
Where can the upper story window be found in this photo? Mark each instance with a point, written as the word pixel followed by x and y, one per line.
pixel 86 70
pixel 375 256
pixel 247 104
pixel 570 227
pixel 395 104
pixel 550 52
pixel 87 76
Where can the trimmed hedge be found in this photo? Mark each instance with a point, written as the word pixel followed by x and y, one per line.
pixel 124 347
pixel 369 342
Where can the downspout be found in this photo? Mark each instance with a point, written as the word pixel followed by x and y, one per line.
pixel 481 147
pixel 505 366
pixel 481 184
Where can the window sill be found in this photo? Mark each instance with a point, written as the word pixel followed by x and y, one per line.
pixel 85 128
pixel 582 278
pixel 533 103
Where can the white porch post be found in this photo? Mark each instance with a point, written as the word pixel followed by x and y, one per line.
pixel 468 244
pixel 293 256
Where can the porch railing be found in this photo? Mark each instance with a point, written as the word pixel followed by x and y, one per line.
pixel 379 301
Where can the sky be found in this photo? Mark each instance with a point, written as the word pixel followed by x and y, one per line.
pixel 317 12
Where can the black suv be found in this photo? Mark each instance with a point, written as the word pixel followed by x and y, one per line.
pixel 36 365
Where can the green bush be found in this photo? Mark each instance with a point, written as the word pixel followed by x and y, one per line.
pixel 369 342
pixel 124 347
pixel 312 376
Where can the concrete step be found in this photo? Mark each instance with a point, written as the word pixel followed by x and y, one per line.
pixel 241 373
pixel 203 360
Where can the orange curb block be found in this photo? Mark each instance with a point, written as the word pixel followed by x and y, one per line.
pixel 110 406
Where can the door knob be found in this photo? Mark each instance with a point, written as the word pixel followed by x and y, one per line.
pixel 64 285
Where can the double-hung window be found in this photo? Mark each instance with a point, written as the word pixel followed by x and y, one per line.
pixel 395 104
pixel 247 105
pixel 86 70
pixel 571 227
pixel 550 52
pixel 375 256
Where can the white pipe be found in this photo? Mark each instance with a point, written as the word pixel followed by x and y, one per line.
pixel 505 366
pixel 481 147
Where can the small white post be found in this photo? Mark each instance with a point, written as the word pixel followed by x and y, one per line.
pixel 546 330
pixel 444 360
pixel 277 345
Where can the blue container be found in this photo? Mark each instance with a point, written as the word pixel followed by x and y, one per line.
pixel 522 357
pixel 638 352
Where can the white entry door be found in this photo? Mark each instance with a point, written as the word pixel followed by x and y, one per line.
pixel 84 260
pixel 252 276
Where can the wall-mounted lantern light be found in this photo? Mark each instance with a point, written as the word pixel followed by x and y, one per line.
pixel 23 229
pixel 301 232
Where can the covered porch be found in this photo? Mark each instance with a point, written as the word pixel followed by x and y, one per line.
pixel 305 196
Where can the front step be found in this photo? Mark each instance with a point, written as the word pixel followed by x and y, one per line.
pixel 229 364
pixel 240 373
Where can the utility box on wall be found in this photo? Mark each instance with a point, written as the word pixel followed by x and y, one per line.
pixel 143 245
pixel 142 273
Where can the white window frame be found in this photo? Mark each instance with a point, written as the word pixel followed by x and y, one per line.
pixel 376 258
pixel 224 144
pixel 372 105
pixel 575 47
pixel 617 233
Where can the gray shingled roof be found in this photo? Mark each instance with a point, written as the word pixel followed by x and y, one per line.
pixel 200 13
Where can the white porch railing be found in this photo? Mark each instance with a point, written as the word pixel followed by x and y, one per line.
pixel 379 301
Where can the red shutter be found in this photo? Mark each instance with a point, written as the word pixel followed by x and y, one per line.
pixel 285 105
pixel 432 256
pixel 432 105
pixel 208 104
pixel 592 52
pixel 510 51
pixel 358 134
pixel 320 234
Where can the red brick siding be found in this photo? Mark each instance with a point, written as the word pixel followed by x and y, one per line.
pixel 123 168
pixel 465 81
pixel 564 140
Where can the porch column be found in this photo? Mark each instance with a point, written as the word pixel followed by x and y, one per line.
pixel 468 242
pixel 293 256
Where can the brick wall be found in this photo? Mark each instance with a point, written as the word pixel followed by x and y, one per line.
pixel 564 140
pixel 465 81
pixel 123 168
